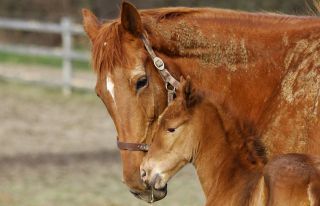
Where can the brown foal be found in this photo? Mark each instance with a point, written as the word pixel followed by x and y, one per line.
pixel 232 168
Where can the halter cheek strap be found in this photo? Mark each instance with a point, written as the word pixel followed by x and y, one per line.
pixel 170 82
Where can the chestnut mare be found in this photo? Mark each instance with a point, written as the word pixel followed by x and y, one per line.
pixel 231 169
pixel 260 69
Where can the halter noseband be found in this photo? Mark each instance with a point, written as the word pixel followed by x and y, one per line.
pixel 132 146
pixel 171 84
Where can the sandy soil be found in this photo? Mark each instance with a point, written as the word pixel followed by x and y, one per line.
pixel 60 151
pixel 46 75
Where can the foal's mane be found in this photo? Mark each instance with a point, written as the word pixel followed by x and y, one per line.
pixel 108 50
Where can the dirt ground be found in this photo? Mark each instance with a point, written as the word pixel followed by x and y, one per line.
pixel 61 151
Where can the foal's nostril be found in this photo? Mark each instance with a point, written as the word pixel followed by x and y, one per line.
pixel 143 174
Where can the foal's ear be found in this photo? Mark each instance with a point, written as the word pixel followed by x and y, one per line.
pixel 191 96
pixel 130 19
pixel 91 24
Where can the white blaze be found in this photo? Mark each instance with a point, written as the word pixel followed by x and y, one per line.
pixel 110 87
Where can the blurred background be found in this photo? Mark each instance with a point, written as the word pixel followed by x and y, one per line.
pixel 57 142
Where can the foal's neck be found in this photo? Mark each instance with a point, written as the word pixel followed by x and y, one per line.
pixel 228 173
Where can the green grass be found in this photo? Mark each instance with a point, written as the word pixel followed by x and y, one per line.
pixel 7 57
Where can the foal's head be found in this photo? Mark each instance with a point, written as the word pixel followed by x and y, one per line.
pixel 188 127
pixel 176 138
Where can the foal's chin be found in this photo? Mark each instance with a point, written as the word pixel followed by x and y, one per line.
pixel 151 196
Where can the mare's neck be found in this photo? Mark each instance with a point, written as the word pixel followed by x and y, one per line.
pixel 226 171
pixel 238 59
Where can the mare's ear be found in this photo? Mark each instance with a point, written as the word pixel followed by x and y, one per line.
pixel 91 24
pixel 190 95
pixel 130 19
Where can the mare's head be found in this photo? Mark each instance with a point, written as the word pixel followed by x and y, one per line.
pixel 176 137
pixel 129 86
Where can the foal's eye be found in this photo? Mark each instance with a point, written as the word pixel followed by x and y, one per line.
pixel 171 130
pixel 142 82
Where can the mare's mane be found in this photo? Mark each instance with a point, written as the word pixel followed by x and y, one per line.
pixel 108 50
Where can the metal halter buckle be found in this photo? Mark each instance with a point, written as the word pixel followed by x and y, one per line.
pixel 143 147
pixel 158 63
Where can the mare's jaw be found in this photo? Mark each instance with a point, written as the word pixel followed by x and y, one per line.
pixel 151 195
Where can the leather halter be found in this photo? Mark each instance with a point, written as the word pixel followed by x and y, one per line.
pixel 171 85
pixel 170 82
pixel 132 146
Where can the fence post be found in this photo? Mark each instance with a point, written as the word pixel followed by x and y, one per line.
pixel 67 49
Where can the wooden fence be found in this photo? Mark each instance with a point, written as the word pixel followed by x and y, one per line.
pixel 65 28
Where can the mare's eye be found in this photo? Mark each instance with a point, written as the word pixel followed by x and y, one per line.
pixel 171 130
pixel 142 82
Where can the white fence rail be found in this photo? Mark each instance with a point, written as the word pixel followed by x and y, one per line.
pixel 65 28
